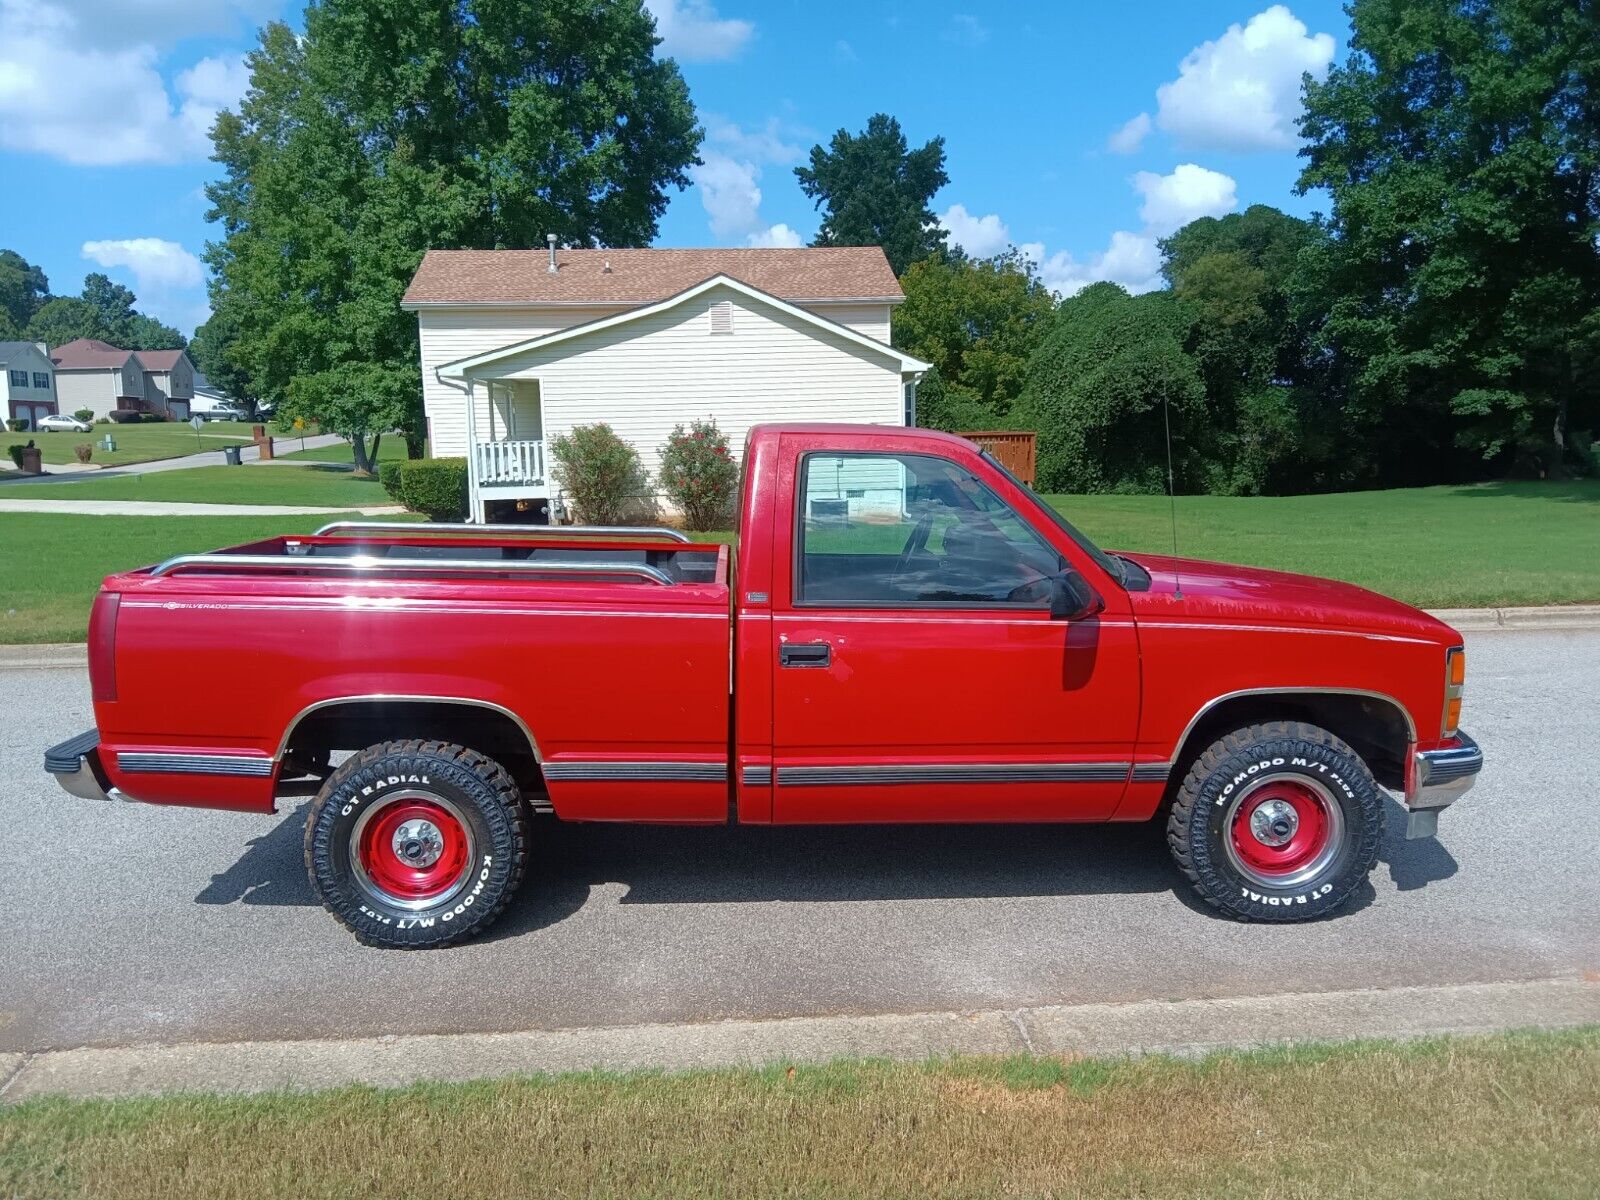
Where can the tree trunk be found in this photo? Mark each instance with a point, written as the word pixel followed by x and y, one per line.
pixel 358 446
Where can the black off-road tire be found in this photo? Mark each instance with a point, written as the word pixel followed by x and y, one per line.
pixel 1300 755
pixel 475 787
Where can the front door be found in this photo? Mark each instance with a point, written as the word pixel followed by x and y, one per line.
pixel 918 675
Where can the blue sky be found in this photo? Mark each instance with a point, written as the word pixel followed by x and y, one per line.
pixel 1080 132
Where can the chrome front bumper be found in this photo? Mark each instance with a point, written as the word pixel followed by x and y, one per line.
pixel 76 765
pixel 1437 779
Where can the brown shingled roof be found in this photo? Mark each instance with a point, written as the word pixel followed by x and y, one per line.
pixel 87 354
pixel 645 276
pixel 159 360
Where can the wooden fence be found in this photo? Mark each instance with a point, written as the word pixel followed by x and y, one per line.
pixel 1013 448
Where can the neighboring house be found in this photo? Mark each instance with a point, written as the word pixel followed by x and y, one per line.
pixel 103 378
pixel 643 339
pixel 27 382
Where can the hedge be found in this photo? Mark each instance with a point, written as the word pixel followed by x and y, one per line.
pixel 389 476
pixel 435 486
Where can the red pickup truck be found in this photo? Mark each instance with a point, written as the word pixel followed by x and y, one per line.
pixel 911 635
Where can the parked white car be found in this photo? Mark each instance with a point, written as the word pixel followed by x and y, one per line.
pixel 63 423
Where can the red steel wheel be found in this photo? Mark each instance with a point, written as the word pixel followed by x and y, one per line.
pixel 414 850
pixel 1283 830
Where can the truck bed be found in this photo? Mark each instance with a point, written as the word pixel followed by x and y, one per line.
pixel 613 646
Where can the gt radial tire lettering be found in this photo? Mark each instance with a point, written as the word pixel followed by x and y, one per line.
pixel 373 789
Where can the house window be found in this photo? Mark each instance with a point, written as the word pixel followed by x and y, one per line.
pixel 19 379
pixel 41 381
pixel 722 317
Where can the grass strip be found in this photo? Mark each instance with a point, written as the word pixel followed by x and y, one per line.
pixel 1512 1115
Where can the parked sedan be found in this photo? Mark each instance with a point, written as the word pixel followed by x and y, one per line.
pixel 63 423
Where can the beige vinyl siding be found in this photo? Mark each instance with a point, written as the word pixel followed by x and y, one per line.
pixel 450 334
pixel 95 390
pixel 869 319
pixel 642 377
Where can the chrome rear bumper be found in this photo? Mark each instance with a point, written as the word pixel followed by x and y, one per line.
pixel 76 765
pixel 1437 779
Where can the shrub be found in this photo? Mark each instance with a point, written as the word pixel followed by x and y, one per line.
pixel 599 472
pixel 83 451
pixel 151 418
pixel 102 420
pixel 15 451
pixel 389 476
pixel 698 474
pixel 84 414
pixel 17 424
pixel 435 486
pixel 125 416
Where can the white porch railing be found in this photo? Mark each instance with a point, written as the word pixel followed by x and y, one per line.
pixel 500 464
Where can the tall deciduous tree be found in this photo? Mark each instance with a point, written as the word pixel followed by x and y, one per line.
pixel 874 190
pixel 1460 143
pixel 387 129
pixel 977 321
pixel 103 311
pixel 23 289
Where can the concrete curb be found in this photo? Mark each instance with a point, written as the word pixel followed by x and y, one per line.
pixel 1180 1027
pixel 1467 620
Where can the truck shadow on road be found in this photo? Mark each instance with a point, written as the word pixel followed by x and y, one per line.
pixel 663 864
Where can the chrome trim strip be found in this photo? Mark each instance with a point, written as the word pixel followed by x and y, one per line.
pixel 405 698
pixel 636 772
pixel 1157 772
pixel 240 765
pixel 638 532
pixel 1444 776
pixel 1177 749
pixel 925 773
pixel 357 564
pixel 753 776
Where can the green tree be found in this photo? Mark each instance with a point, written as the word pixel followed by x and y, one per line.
pixel 1460 144
pixel 1272 418
pixel 873 190
pixel 23 289
pixel 386 130
pixel 214 350
pixel 977 321
pixel 103 311
pixel 1098 384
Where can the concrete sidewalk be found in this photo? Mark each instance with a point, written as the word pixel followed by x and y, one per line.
pixel 174 508
pixel 1183 1027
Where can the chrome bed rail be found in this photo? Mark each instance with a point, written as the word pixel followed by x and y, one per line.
pixel 342 528
pixel 363 564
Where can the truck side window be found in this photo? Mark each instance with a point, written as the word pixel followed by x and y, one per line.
pixel 889 530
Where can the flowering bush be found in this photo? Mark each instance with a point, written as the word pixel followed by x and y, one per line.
pixel 84 451
pixel 698 474
pixel 599 472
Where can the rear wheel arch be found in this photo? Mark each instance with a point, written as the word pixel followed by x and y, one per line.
pixel 351 723
pixel 1374 724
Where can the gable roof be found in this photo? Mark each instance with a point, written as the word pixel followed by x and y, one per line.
pixel 158 360
pixel 88 354
pixel 10 350
pixel 462 366
pixel 508 277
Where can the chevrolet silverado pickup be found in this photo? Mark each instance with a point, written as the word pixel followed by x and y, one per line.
pixel 904 633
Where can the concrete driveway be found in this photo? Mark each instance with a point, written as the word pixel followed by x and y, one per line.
pixel 133 924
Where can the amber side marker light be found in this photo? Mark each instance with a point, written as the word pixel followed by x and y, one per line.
pixel 1455 678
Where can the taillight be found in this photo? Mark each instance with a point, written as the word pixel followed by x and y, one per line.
pixel 1455 676
pixel 103 646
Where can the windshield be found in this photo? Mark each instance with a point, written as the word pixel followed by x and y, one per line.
pixel 1103 560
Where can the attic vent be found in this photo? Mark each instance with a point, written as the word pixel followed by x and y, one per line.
pixel 722 317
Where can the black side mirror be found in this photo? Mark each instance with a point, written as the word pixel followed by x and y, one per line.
pixel 1071 597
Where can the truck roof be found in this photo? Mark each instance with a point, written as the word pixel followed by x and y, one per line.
pixel 855 430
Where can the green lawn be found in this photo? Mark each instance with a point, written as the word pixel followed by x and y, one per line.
pixel 51 566
pixel 1513 1116
pixel 311 484
pixel 391 449
pixel 137 443
pixel 1442 547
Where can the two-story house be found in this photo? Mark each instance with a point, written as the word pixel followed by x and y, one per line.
pixel 104 378
pixel 27 382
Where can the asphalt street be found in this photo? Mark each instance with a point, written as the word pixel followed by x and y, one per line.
pixel 131 924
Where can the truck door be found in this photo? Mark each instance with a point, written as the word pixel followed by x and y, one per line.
pixel 917 672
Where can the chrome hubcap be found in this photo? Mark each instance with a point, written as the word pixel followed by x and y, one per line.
pixel 1274 823
pixel 418 843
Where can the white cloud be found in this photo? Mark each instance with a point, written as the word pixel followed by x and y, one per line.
pixel 967 30
pixel 1172 201
pixel 729 179
pixel 1130 259
pixel 843 52
pixel 779 235
pixel 981 237
pixel 691 31
pixel 155 263
pixel 64 95
pixel 1242 91
pixel 1131 136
